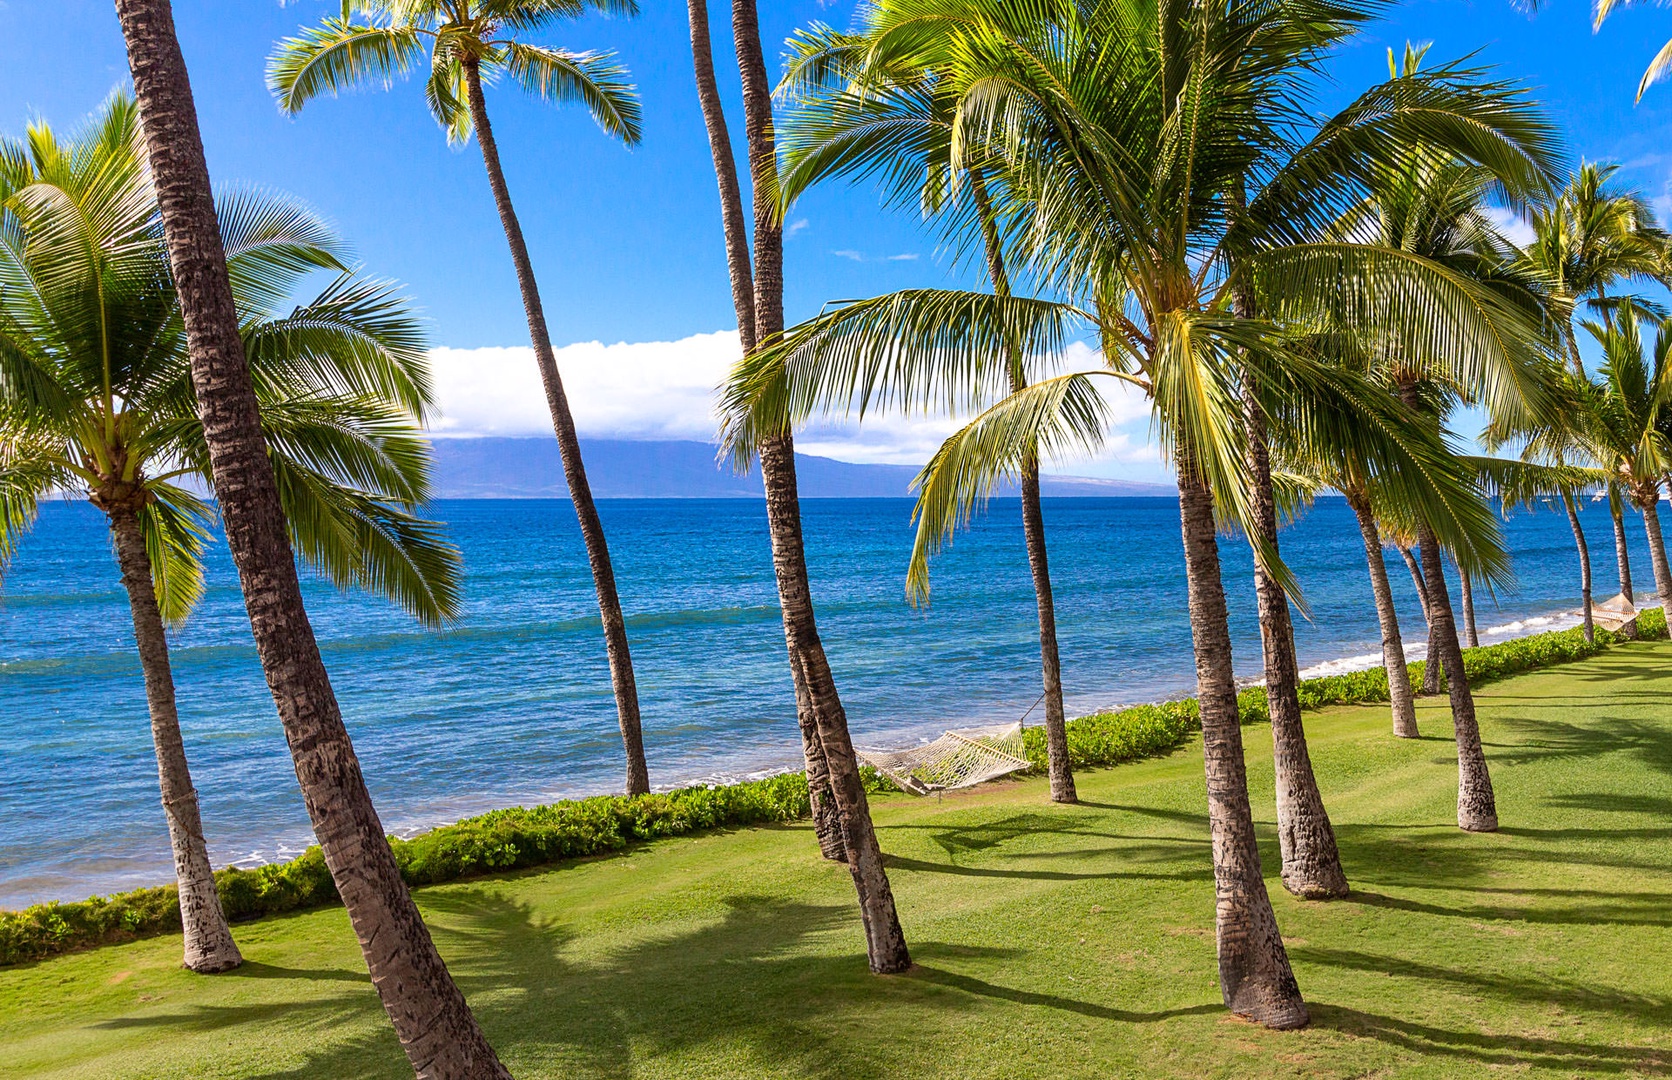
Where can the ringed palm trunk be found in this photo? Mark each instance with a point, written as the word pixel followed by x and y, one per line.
pixel 1431 668
pixel 569 446
pixel 1056 725
pixel 1622 557
pixel 826 819
pixel 1584 565
pixel 885 943
pixel 1311 861
pixel 1058 764
pixel 1393 646
pixel 1468 591
pixel 1255 978
pixel 209 947
pixel 434 1024
pixel 1648 500
pixel 1477 809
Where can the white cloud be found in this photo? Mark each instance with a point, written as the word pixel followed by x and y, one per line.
pixel 849 254
pixel 794 227
pixel 1511 225
pixel 666 390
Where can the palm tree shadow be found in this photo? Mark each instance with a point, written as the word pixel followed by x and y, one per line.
pixel 1491 1051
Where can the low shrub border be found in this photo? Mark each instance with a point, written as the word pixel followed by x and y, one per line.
pixel 536 836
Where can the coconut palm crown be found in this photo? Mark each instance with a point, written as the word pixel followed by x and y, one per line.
pixel 395 34
pixel 97 400
pixel 95 389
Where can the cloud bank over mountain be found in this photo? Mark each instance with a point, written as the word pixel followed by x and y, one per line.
pixel 664 390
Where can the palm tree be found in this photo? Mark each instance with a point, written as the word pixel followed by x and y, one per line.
pixel 434 1024
pixel 1589 239
pixel 470 41
pixel 849 121
pixel 1631 405
pixel 108 412
pixel 758 294
pixel 1123 133
pixel 1351 485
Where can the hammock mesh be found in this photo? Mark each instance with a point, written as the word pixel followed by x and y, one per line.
pixel 957 759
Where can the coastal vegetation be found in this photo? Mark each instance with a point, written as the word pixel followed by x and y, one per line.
pixel 520 837
pixel 1303 300
pixel 1051 940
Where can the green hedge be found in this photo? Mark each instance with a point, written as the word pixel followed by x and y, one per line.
pixel 535 836
pixel 499 840
pixel 1118 736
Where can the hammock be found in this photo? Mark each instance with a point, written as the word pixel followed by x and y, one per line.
pixel 1614 613
pixel 958 759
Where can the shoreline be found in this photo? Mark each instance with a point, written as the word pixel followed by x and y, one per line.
pixel 770 762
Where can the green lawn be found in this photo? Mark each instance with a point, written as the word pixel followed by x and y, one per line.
pixel 1051 941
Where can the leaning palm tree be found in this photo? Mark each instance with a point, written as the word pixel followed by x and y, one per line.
pixel 758 294
pixel 1632 403
pixel 470 42
pixel 1123 135
pixel 431 1018
pixel 87 303
pixel 849 121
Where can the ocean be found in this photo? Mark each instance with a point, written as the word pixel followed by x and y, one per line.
pixel 512 705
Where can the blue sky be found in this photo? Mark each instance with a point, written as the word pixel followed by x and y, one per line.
pixel 626 243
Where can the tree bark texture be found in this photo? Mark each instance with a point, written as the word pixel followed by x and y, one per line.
pixel 435 1026
pixel 1622 557
pixel 1393 646
pixel 209 947
pixel 1584 565
pixel 1649 504
pixel 1622 553
pixel 1430 664
pixel 885 942
pixel 1466 587
pixel 1311 861
pixel 1033 530
pixel 1477 809
pixel 1056 725
pixel 826 818
pixel 1254 973
pixel 569 447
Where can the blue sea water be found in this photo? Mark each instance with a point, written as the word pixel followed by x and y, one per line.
pixel 513 704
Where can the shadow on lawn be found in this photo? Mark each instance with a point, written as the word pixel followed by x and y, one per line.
pixel 1475 1049
pixel 743 985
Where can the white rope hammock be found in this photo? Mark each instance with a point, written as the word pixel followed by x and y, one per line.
pixel 958 759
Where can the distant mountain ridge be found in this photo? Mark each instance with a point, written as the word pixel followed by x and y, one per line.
pixel 530 468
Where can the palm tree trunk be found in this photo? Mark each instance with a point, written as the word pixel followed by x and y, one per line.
pixel 1393 646
pixel 1584 565
pixel 1059 766
pixel 1657 546
pixel 434 1024
pixel 1477 809
pixel 569 446
pixel 1254 973
pixel 1311 862
pixel 885 943
pixel 1622 557
pixel 1430 663
pixel 209 947
pixel 1467 588
pixel 826 819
